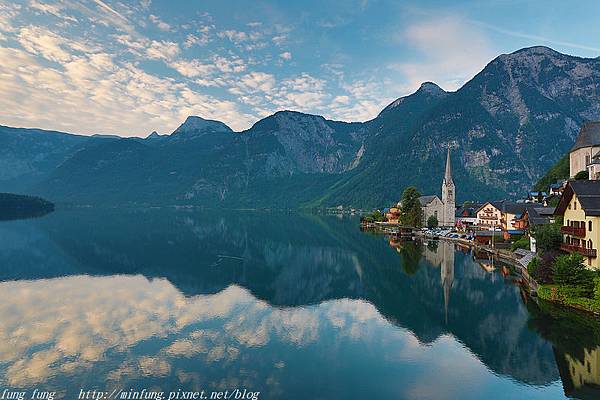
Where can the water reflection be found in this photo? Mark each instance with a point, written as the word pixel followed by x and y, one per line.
pixel 197 299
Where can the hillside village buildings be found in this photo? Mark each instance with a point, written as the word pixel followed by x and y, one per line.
pixel 443 209
pixel 585 153
pixel 580 209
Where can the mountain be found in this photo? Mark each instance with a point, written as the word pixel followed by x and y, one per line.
pixel 28 156
pixel 197 126
pixel 506 127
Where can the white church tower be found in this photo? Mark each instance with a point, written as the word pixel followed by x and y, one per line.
pixel 448 195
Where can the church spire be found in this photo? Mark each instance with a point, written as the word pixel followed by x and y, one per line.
pixel 448 175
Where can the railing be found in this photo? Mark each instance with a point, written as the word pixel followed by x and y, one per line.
pixel 576 249
pixel 571 230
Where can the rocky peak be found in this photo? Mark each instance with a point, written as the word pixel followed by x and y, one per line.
pixel 428 91
pixel 197 126
pixel 431 88
pixel 153 135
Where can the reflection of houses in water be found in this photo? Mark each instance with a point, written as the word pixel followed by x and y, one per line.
pixel 583 377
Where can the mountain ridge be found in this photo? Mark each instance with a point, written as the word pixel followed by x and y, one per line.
pixel 498 125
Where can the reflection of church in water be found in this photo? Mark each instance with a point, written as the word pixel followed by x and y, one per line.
pixel 444 257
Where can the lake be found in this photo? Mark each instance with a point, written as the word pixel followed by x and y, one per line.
pixel 292 306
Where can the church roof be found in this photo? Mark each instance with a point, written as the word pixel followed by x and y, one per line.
pixel 448 174
pixel 424 200
pixel 589 135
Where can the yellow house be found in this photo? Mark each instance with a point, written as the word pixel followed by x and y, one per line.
pixel 580 208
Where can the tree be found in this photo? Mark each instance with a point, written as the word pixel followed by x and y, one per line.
pixel 411 213
pixel 569 270
pixel 582 175
pixel 548 237
pixel 543 270
pixel 432 221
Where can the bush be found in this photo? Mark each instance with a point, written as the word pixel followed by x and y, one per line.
pixel 543 271
pixel 432 222
pixel 569 270
pixel 533 266
pixel 582 175
pixel 522 243
pixel 597 288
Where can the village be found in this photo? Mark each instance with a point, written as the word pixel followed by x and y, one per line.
pixel 549 236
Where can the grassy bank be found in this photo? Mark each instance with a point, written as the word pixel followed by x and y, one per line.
pixel 571 296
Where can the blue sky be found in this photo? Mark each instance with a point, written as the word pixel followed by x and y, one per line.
pixel 131 67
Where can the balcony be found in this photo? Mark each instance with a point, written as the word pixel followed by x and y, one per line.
pixel 571 230
pixel 576 249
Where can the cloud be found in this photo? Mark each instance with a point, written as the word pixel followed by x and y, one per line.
pixel 286 55
pixel 162 50
pixel 163 26
pixel 40 41
pixel 451 51
pixel 234 36
pixel 193 68
pixel 52 9
pixel 535 38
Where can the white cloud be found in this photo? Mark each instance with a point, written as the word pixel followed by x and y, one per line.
pixel 40 41
pixel 53 9
pixel 162 50
pixel 193 68
pixel 451 52
pixel 234 36
pixel 163 26
pixel 286 55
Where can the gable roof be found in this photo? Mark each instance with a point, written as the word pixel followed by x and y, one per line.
pixel 588 194
pixel 589 135
pixel 424 200
pixel 495 204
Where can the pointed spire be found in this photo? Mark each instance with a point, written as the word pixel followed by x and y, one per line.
pixel 448 175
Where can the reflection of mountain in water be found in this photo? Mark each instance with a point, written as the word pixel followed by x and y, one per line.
pixel 292 260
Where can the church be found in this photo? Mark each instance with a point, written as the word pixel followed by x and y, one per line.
pixel 443 209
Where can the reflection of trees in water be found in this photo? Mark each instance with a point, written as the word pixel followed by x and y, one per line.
pixel 411 254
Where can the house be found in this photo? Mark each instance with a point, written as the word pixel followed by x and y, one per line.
pixel 586 147
pixel 466 215
pixel 443 209
pixel 557 187
pixel 510 215
pixel 534 215
pixel 489 216
pixel 393 215
pixel 580 209
pixel 536 197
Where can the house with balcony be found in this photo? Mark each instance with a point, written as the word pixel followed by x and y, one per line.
pixel 580 208
pixel 489 216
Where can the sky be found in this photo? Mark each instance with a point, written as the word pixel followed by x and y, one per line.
pixel 133 67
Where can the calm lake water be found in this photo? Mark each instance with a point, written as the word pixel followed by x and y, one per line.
pixel 291 306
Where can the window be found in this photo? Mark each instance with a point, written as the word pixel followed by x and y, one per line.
pixel 574 205
pixel 590 244
pixel 569 206
pixel 590 226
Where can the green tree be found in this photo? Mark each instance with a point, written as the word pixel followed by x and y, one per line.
pixel 569 270
pixel 411 213
pixel 432 221
pixel 548 237
pixel 582 176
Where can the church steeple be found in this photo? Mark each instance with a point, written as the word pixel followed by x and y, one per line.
pixel 448 175
pixel 448 194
